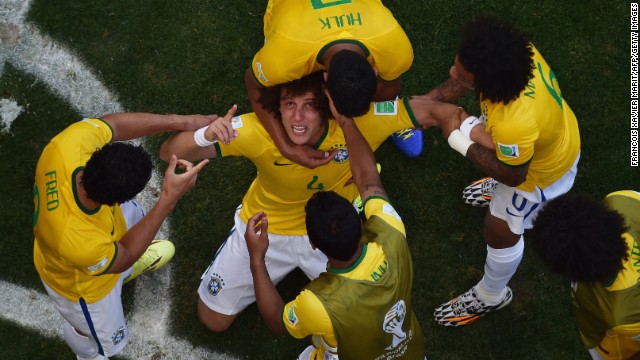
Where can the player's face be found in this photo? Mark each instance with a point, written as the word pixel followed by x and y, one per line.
pixel 301 119
pixel 464 76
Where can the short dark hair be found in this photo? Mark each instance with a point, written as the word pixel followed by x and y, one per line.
pixel 498 55
pixel 333 225
pixel 314 83
pixel 116 173
pixel 580 238
pixel 351 82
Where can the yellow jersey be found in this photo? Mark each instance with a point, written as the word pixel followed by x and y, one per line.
pixel 538 128
pixel 73 244
pixel 297 34
pixel 282 188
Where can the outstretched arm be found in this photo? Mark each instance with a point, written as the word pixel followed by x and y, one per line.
pixel 361 159
pixel 473 142
pixel 185 146
pixel 269 301
pixel 135 242
pixel 128 126
pixel 303 155
pixel 448 91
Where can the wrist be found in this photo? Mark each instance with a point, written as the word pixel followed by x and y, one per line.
pixel 199 136
pixel 468 124
pixel 459 142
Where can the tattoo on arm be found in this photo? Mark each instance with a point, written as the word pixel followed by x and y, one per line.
pixel 449 90
pixel 485 159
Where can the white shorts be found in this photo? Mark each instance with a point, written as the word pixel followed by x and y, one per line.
pixel 227 285
pixel 103 321
pixel 519 208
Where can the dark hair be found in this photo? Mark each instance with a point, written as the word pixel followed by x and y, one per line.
pixel 580 238
pixel 116 173
pixel 351 82
pixel 314 83
pixel 333 225
pixel 498 55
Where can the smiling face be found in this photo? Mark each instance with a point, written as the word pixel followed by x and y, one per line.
pixel 301 119
pixel 464 76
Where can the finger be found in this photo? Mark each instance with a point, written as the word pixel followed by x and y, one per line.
pixel 184 164
pixel 196 169
pixel 255 219
pixel 172 164
pixel 231 111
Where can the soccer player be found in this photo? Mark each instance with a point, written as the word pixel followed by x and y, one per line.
pixel 282 188
pixel 528 141
pixel 359 43
pixel 596 246
pixel 89 236
pixel 360 308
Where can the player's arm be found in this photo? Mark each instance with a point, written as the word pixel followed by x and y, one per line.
pixel 448 91
pixel 361 159
pixel 199 144
pixel 136 240
pixel 467 135
pixel 469 139
pixel 387 90
pixel 303 155
pixel 270 303
pixel 128 126
pixel 428 112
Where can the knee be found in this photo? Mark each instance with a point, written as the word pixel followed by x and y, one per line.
pixel 213 320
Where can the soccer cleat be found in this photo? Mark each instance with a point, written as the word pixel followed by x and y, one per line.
pixel 480 192
pixel 156 256
pixel 357 203
pixel 409 141
pixel 467 309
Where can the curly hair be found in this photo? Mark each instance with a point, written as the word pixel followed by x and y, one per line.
pixel 351 82
pixel 333 225
pixel 116 173
pixel 314 83
pixel 580 239
pixel 498 55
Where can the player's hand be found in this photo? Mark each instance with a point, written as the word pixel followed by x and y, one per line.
pixel 339 118
pixel 309 157
pixel 256 235
pixel 175 185
pixel 222 128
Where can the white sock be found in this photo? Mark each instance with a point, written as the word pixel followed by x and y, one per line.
pixel 500 266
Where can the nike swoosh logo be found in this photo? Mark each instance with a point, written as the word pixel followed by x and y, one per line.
pixel 276 163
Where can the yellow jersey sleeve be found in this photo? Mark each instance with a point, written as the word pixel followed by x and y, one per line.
pixel 382 208
pixel 305 316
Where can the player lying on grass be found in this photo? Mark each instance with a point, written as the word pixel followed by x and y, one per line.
pixel 367 287
pixel 89 237
pixel 281 187
pixel 596 246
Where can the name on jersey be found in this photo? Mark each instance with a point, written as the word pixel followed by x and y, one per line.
pixel 339 21
pixel 52 190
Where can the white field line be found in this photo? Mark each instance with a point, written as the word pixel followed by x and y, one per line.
pixel 23 45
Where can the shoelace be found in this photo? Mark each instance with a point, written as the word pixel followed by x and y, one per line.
pixel 405 134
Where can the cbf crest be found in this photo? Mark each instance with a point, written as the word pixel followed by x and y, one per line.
pixel 341 156
pixel 216 283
